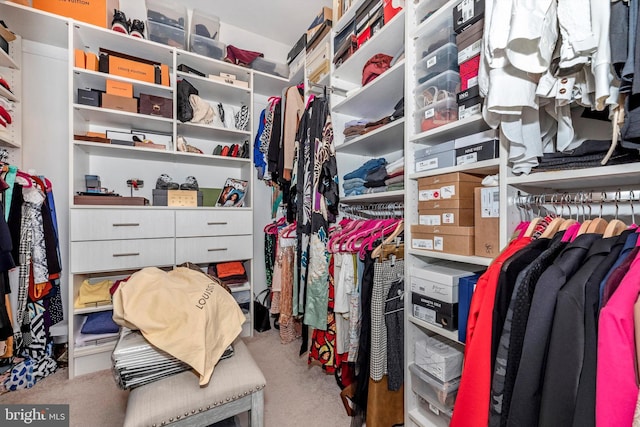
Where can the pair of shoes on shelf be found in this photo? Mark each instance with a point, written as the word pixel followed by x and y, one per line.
pixel 165 182
pixel 233 150
pixel 122 25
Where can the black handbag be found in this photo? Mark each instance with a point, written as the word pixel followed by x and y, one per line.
pixel 261 315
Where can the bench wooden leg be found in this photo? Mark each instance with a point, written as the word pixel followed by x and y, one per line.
pixel 257 409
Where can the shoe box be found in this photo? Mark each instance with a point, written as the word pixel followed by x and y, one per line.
pixel 477 147
pixel 438 357
pixel 96 12
pixel 467 13
pixel 487 219
pixel 456 240
pixel 469 102
pixel 438 156
pixel 190 198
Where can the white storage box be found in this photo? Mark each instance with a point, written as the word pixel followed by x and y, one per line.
pixel 439 358
pixel 440 281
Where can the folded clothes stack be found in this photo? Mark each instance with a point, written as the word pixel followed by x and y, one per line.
pixel 230 273
pixel 97 328
pixel 370 172
pixel 355 128
pixel 589 154
pixel 93 294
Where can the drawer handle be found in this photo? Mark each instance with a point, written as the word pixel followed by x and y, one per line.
pixel 217 223
pixel 127 254
pixel 217 249
pixel 127 224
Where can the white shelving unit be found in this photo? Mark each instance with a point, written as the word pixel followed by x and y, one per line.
pixel 10 69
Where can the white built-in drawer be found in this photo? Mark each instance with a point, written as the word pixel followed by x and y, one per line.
pixel 113 255
pixel 194 223
pixel 213 249
pixel 115 224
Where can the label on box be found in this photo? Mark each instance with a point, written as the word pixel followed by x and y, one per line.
pixel 431 62
pixel 470 51
pixel 227 76
pixel 426 195
pixel 429 219
pixel 490 202
pixel 422 244
pixel 429 113
pixel 423 313
pixel 466 7
pixel 464 112
pixel 448 191
pixel 434 409
pixel 448 218
pixel 467 158
pixel 473 81
pixel 427 164
pixel 438 243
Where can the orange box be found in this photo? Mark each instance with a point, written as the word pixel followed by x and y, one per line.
pixel 92 62
pixel 132 69
pixel 96 12
pixel 80 59
pixel 119 88
pixel 119 103
pixel 164 75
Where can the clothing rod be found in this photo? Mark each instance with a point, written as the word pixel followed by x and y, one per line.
pixel 374 210
pixel 580 197
pixel 329 88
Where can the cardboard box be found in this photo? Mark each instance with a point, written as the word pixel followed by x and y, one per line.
pixel 446 204
pixel 119 103
pixel 115 87
pixel 89 97
pixel 447 239
pixel 455 217
pixel 436 180
pixel 80 58
pixel 109 200
pixel 446 190
pixel 96 12
pixel 91 62
pixel 326 14
pixel 440 281
pixel 467 13
pixel 435 157
pixel 487 212
pixel 433 311
pixel 439 358
pixel 177 198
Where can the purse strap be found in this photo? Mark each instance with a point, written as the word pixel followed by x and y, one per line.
pixel 265 293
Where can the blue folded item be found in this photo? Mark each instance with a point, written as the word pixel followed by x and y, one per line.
pixel 100 323
pixel 362 171
pixel 466 286
pixel 352 183
pixel 355 191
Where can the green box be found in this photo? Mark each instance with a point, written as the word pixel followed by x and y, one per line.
pixel 210 196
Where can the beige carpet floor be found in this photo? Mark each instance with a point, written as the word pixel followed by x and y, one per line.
pixel 296 394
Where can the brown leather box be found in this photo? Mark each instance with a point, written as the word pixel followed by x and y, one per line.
pixel 120 103
pixel 156 106
pixel 110 200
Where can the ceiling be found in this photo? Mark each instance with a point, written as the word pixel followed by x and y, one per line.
pixel 280 20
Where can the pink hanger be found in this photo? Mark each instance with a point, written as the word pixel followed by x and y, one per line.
pixel 361 237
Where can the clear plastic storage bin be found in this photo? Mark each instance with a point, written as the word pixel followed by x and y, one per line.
pixel 166 23
pixel 444 85
pixel 437 62
pixel 204 25
pixel 430 388
pixel 208 47
pixel 438 114
pixel 270 67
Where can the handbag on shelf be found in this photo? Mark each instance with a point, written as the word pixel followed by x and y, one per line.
pixel 261 315
pixel 156 106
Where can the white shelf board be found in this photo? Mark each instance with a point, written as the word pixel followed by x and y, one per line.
pixel 268 84
pixel 388 40
pixel 486 167
pixel 429 420
pixel 203 131
pixel 385 139
pixel 9 95
pixel 452 335
pixel 376 99
pixel 625 176
pixel 457 129
pixel 207 65
pixel 217 91
pixel 5 139
pixel 388 196
pixel 88 79
pixel 92 38
pixel 36 25
pixel 477 260
pixel 7 61
pixel 87 310
pixel 348 14
pixel 108 117
pixel 123 151
pixel 94 349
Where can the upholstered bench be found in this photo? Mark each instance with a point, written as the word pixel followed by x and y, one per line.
pixel 237 385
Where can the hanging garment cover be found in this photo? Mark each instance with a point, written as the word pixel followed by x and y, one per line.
pixel 182 312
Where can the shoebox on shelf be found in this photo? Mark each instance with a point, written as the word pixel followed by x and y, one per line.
pixel 79 58
pixel 477 147
pixel 440 280
pixel 439 358
pixel 438 156
pixel 154 105
pixel 454 217
pixel 226 78
pixel 92 62
pixel 325 15
pixel 109 200
pixel 115 87
pixel 469 102
pixel 96 12
pixel 469 73
pixel 433 311
pixel 469 42
pixel 120 103
pixel 487 213
pixel 448 239
pixel 456 185
pixel 123 65
pixel 191 198
pixel 89 97
pixel 467 13
pixel 297 48
pixel 390 11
